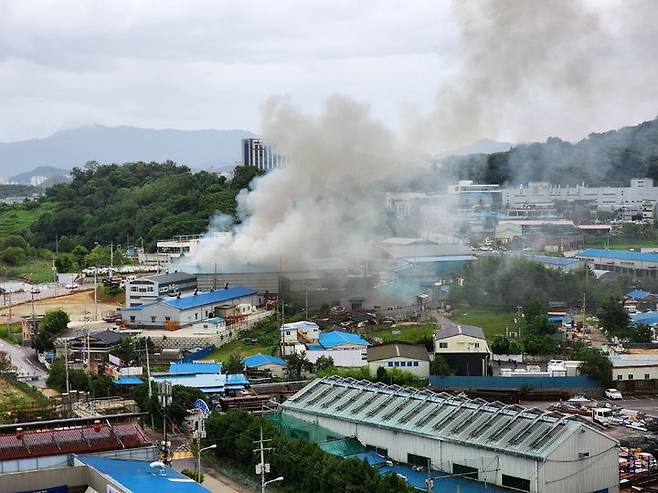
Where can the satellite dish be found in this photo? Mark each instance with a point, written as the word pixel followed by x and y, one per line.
pixel 201 405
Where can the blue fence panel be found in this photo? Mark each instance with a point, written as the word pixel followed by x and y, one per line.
pixel 498 382
pixel 200 354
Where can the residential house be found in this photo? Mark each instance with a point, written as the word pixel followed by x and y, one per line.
pixel 413 358
pixel 464 347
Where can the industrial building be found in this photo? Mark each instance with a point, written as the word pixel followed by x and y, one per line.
pixel 146 290
pixel 638 264
pixel 173 313
pixel 524 449
pixel 636 370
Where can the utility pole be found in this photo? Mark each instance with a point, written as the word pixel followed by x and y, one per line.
pixel 96 293
pixel 88 350
pixel 305 301
pixel 66 365
pixel 429 481
pixel 262 467
pixel 111 258
pixel 164 397
pixel 148 367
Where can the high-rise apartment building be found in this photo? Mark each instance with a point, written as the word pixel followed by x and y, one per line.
pixel 261 154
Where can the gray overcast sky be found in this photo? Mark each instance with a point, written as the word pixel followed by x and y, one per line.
pixel 211 64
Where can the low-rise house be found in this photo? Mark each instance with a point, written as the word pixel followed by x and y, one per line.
pixel 413 358
pixel 464 347
pixel 263 362
pixel 339 340
pixel 97 346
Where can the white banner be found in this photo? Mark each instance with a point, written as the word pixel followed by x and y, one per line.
pixel 114 360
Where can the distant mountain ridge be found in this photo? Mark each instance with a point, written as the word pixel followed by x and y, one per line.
pixel 482 146
pixel 48 172
pixel 195 148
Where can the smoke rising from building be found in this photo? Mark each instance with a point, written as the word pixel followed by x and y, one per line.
pixel 524 63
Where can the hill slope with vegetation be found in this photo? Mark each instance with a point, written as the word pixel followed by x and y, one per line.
pixel 608 158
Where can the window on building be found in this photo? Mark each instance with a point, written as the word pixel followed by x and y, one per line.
pixel 153 319
pixel 415 363
pixel 630 376
pixel 466 471
pixel 132 318
pixel 390 363
pixel 646 376
pixel 443 345
pixel 619 377
pixel 397 363
pixel 168 319
pixel 287 332
pixel 477 344
pixel 517 483
pixel 97 357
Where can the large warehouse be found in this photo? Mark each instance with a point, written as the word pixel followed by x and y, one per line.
pixel 508 445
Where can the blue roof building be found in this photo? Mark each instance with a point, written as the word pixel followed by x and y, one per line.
pixel 334 339
pixel 648 318
pixel 210 383
pixel 621 261
pixel 638 294
pixel 137 476
pixel 128 380
pixel 209 298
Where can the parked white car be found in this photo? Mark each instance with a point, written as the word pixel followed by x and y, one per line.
pixel 613 394
pixel 73 285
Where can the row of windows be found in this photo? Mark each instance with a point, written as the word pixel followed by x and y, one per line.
pixel 137 289
pixel 402 363
pixel 444 345
pixel 630 376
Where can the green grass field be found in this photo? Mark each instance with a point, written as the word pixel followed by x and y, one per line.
pixel 493 323
pixel 34 270
pixel 12 335
pixel 19 218
pixel 263 338
pixel 404 333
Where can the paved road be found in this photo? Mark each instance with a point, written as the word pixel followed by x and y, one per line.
pixel 214 481
pixel 24 358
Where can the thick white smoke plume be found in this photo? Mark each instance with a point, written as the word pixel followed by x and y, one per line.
pixel 322 203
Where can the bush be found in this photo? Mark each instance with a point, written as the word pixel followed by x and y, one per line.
pixel 192 474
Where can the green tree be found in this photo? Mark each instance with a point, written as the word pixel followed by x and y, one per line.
pixel 382 374
pixel 642 333
pixel 595 362
pixel 80 253
pixel 233 364
pixel 13 241
pixel 614 318
pixel 65 262
pixel 297 366
pixel 428 342
pixel 324 362
pixel 500 345
pixel 440 366
pixel 126 351
pixel 54 323
pixel 65 244
pixel 12 255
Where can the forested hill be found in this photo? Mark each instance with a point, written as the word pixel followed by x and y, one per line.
pixel 610 158
pixel 149 201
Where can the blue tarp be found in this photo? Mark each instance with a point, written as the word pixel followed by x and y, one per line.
pixel 200 354
pixel 128 380
pixel 258 359
pixel 373 458
pixel 442 481
pixel 194 368
pixel 560 318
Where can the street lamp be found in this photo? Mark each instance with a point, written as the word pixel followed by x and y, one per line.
pixel 198 461
pixel 280 478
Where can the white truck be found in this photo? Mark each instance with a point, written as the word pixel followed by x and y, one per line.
pixel 602 415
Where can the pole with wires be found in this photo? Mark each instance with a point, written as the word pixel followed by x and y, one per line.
pixel 164 398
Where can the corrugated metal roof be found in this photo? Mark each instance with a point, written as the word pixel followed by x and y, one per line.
pixel 475 423
pixel 333 338
pixel 208 382
pixel 171 277
pixel 452 329
pixel 72 440
pixel 208 298
pixel 398 350
pixel 259 359
pixel 649 318
pixel 638 294
pixel 559 261
pixel 128 380
pixel 194 368
pixel 137 476
pixel 618 255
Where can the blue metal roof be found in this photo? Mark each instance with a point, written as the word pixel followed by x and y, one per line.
pixel 137 476
pixel 333 338
pixel 560 318
pixel 128 380
pixel 194 368
pixel 443 258
pixel 547 259
pixel 207 382
pixel 649 318
pixel 619 255
pixel 201 299
pixel 258 359
pixel 638 294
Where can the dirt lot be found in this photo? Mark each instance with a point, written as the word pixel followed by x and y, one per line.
pixel 75 304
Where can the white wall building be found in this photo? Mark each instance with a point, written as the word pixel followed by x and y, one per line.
pixel 526 449
pixel 146 290
pixel 605 198
pixel 413 358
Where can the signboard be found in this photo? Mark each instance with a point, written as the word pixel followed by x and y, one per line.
pixel 114 360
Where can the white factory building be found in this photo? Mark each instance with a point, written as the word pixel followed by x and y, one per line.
pixel 507 445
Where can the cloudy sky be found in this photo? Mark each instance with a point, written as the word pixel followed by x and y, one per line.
pixel 212 64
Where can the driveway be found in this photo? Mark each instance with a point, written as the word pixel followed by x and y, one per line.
pixel 24 359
